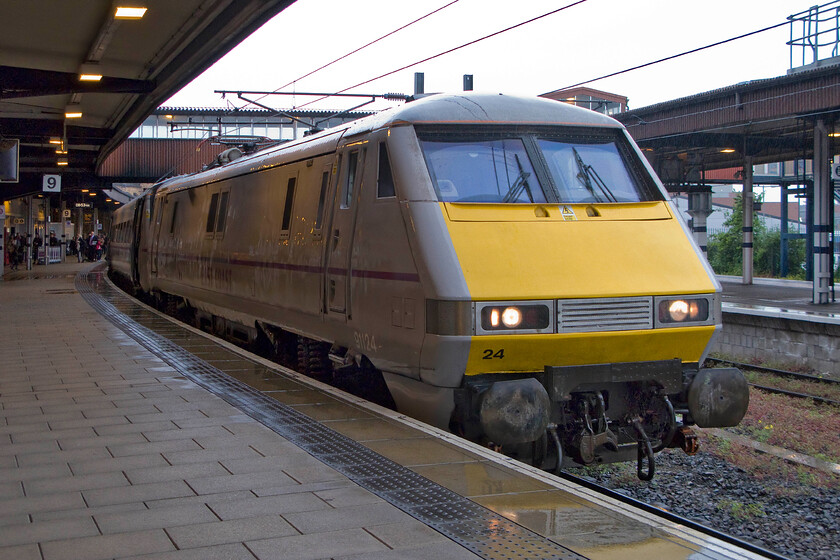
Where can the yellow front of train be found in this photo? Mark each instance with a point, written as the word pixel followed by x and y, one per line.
pixel 591 308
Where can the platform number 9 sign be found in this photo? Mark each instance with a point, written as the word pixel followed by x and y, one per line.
pixel 52 183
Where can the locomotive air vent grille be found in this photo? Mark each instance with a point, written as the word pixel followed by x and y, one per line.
pixel 604 314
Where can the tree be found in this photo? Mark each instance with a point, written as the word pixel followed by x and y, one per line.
pixel 725 252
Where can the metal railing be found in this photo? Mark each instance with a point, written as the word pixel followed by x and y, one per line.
pixel 53 252
pixel 819 31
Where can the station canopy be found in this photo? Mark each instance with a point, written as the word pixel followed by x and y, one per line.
pixel 62 59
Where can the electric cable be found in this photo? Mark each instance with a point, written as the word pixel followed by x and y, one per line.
pixel 448 51
pixel 364 47
pixel 667 58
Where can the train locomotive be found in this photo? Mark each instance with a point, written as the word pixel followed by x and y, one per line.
pixel 510 269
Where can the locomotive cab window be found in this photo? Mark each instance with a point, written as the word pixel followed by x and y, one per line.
pixel 482 170
pixel 595 169
pixel 539 165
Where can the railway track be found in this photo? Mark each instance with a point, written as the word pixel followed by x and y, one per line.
pixel 774 381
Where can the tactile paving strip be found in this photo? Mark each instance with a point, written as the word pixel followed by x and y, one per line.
pixel 476 528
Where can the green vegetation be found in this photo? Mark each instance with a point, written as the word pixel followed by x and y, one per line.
pixel 725 253
pixel 740 510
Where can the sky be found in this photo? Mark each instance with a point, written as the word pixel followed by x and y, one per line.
pixel 588 40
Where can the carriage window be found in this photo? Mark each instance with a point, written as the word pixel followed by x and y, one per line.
pixel 482 170
pixel 385 180
pixel 287 209
pixel 174 218
pixel 211 215
pixel 325 181
pixel 223 204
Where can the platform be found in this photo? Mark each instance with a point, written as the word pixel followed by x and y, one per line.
pixel 777 298
pixel 774 322
pixel 126 435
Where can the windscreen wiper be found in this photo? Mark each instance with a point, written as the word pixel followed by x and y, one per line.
pixel 587 176
pixel 520 183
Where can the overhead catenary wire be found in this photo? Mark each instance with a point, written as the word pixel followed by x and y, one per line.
pixel 667 58
pixel 366 45
pixel 512 27
pixel 448 51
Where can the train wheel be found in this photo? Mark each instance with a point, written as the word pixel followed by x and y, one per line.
pixel 313 359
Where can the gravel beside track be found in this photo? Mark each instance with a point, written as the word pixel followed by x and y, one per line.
pixel 793 520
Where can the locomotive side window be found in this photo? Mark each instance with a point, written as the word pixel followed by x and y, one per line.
pixel 353 177
pixel 223 205
pixel 325 182
pixel 482 170
pixel 174 218
pixel 211 215
pixel 287 207
pixel 385 179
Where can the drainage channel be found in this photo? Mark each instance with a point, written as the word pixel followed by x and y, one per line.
pixel 473 526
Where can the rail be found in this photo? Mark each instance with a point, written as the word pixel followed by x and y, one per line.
pixel 826 381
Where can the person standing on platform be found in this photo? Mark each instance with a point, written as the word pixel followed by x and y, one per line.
pixel 36 246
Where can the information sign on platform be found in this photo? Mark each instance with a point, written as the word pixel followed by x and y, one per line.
pixel 52 183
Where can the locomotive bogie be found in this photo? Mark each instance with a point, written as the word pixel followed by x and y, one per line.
pixel 488 257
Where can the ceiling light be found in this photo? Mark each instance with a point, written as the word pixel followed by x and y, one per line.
pixel 92 194
pixel 55 140
pixel 834 134
pixel 85 190
pixel 124 12
pixel 73 111
pixel 61 152
pixel 728 151
pixel 90 77
pixel 62 161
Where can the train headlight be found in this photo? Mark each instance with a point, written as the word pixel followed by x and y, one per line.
pixel 511 317
pixel 514 317
pixel 683 310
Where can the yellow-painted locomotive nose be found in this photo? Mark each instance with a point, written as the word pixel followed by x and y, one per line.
pixel 587 252
pixel 506 251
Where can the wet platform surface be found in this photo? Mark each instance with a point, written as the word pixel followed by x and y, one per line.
pixel 777 298
pixel 125 435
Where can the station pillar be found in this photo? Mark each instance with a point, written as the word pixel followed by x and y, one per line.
pixel 823 209
pixel 30 232
pixel 699 208
pixel 747 230
pixel 63 239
